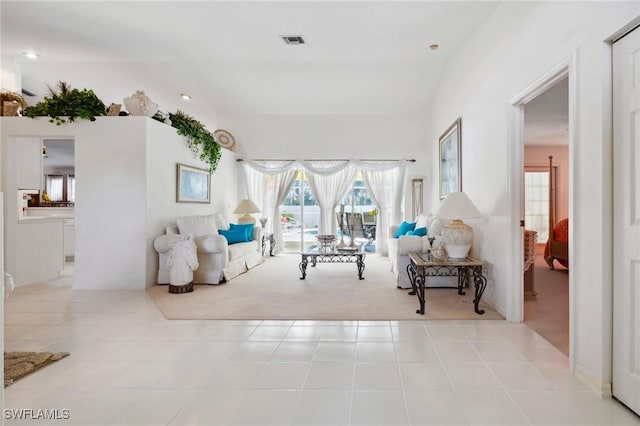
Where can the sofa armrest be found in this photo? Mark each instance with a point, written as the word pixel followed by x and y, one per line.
pixel 257 234
pixel 410 244
pixel 212 243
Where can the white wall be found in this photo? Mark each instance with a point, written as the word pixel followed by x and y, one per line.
pixel 10 76
pixel 516 45
pixel 336 137
pixel 125 193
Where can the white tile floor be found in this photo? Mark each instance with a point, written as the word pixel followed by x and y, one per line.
pixel 130 366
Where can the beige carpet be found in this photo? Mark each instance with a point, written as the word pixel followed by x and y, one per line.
pixel 548 313
pixel 20 364
pixel 273 290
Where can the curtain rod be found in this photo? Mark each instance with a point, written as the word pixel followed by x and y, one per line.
pixel 411 160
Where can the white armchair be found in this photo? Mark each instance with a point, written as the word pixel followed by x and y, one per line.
pixel 399 249
pixel 218 260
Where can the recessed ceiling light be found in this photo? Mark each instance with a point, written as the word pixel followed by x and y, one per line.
pixel 434 46
pixel 31 55
pixel 185 96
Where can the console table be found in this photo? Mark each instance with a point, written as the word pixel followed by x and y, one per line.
pixel 424 265
pixel 316 255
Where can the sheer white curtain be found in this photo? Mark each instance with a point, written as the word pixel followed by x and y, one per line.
pixel 255 186
pixel 385 183
pixel 329 181
pixel 384 180
pixel 53 186
pixel 277 178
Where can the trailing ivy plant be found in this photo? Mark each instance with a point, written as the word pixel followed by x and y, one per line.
pixel 199 139
pixel 67 102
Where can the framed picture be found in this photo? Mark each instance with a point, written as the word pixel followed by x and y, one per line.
pixel 193 185
pixel 450 164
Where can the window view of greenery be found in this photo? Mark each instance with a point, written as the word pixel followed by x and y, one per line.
pixel 300 213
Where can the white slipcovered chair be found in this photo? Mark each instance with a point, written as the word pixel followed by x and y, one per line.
pixel 218 261
pixel 399 249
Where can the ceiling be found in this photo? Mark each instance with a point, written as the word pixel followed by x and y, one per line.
pixel 359 58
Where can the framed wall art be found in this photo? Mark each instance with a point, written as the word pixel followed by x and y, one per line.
pixel 450 164
pixel 193 185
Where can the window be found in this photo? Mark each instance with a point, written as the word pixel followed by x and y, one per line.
pixel 536 204
pixel 61 188
pixel 55 187
pixel 300 215
pixel 71 188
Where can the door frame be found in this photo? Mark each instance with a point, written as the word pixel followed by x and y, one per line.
pixel 566 68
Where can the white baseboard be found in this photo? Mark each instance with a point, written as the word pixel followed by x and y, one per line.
pixel 602 389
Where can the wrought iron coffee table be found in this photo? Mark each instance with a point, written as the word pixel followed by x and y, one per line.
pixel 424 265
pixel 315 255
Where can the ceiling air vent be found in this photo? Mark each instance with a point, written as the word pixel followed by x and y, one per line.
pixel 293 39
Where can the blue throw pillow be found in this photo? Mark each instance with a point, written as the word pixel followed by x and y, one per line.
pixel 246 227
pixel 420 232
pixel 404 228
pixel 234 236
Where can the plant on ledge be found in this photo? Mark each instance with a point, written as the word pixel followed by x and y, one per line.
pixel 199 139
pixel 68 102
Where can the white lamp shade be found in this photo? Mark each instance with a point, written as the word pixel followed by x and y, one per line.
pixel 457 205
pixel 457 236
pixel 246 207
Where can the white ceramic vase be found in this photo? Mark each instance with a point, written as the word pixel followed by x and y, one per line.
pixel 140 104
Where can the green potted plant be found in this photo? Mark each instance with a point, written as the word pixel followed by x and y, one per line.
pixel 199 139
pixel 68 102
pixel 11 103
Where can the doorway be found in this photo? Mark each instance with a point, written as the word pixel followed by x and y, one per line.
pixel 59 185
pixel 546 212
pixel 564 70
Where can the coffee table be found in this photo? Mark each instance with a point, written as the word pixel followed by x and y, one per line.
pixel 315 255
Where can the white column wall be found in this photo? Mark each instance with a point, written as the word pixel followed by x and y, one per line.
pixel 165 149
pixel 516 45
pixel 111 203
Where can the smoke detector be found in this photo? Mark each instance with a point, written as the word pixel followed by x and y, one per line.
pixel 292 39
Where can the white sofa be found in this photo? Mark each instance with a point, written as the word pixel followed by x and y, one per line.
pixel 218 260
pixel 399 249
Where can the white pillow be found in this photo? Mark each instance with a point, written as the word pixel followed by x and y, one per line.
pixel 222 222
pixel 197 225
pixel 422 221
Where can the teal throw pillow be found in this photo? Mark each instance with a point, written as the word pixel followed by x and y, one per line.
pixel 234 236
pixel 420 232
pixel 246 227
pixel 404 228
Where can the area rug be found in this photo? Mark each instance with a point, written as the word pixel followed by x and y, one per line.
pixel 274 290
pixel 20 364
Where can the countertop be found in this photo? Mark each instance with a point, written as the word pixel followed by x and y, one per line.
pixel 53 218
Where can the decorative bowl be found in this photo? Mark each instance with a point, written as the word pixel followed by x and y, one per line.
pixel 326 239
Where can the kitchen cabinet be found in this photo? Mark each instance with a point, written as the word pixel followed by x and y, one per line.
pixel 69 238
pixel 39 250
pixel 29 163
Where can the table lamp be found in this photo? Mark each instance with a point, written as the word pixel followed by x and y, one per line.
pixel 457 235
pixel 246 207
